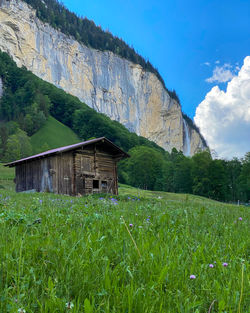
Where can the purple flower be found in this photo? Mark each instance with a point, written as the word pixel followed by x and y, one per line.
pixel 225 264
pixel 129 198
pixel 211 265
pixel 40 201
pixel 240 218
pixel 101 198
pixel 192 277
pixel 131 225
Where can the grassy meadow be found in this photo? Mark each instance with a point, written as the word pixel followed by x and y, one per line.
pixel 141 251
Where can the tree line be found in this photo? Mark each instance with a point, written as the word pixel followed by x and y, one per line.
pixel 27 98
pixel 223 180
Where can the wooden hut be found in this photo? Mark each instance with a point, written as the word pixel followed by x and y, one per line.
pixel 83 168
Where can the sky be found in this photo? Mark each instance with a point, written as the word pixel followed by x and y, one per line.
pixel 199 47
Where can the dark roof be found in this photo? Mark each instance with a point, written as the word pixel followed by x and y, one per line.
pixel 71 147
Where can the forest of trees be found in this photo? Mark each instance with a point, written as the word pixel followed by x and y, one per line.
pixel 27 101
pixel 223 180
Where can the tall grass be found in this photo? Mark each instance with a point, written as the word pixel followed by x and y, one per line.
pixel 57 249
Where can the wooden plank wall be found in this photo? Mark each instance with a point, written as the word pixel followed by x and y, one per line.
pixel 91 164
pixel 50 174
pixel 70 173
pixel 63 173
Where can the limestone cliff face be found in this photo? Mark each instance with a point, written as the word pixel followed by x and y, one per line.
pixel 109 84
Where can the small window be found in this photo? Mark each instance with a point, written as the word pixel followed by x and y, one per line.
pixel 95 184
pixel 104 184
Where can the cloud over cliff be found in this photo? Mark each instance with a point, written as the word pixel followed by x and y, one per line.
pixel 224 117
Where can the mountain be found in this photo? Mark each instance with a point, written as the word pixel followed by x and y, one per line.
pixel 115 86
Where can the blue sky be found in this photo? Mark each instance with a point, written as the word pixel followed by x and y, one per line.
pixel 184 40
pixel 178 37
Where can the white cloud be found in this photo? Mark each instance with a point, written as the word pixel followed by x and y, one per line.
pixel 217 62
pixel 221 74
pixel 224 117
pixel 206 63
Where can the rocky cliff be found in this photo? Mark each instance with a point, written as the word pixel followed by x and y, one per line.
pixel 109 84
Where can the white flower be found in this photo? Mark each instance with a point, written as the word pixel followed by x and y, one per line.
pixel 69 305
pixel 21 310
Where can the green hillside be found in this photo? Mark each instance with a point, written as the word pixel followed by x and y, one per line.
pixel 52 135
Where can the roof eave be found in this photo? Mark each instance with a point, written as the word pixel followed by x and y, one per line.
pixel 67 148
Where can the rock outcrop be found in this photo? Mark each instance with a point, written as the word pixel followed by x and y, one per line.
pixel 110 84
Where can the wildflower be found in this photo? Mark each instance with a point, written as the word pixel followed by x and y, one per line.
pixel 240 218
pixel 225 264
pixel 129 198
pixel 114 201
pixel 131 225
pixel 69 305
pixel 41 201
pixel 211 265
pixel 192 277
pixel 101 198
pixel 21 310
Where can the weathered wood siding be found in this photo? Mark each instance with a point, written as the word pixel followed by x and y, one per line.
pixel 51 174
pixel 79 172
pixel 34 175
pixel 95 171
